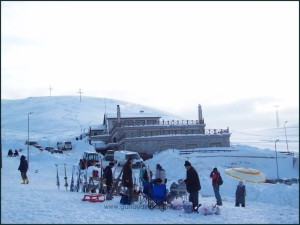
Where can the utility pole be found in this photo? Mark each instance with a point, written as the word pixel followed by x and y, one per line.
pixel 287 145
pixel 50 88
pixel 80 93
pixel 277 117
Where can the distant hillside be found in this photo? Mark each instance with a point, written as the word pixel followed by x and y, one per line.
pixel 60 117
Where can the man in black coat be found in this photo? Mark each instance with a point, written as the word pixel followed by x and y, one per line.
pixel 109 176
pixel 192 185
pixel 23 167
pixel 127 180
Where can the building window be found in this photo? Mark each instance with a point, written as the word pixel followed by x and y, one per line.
pixel 140 122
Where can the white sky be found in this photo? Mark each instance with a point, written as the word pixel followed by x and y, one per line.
pixel 168 55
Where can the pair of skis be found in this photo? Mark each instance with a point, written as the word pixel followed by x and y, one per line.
pixel 57 177
pixel 115 184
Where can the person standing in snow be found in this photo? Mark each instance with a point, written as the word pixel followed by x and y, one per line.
pixel 215 175
pixel 109 177
pixel 240 194
pixel 127 180
pixel 192 185
pixel 23 167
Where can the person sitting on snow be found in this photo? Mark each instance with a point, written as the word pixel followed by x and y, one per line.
pixel 16 153
pixel 10 153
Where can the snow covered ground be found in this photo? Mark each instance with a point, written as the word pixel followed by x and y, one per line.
pixel 41 201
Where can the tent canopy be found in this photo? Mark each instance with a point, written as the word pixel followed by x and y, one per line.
pixel 248 174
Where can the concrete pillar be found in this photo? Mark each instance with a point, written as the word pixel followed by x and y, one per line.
pixel 200 118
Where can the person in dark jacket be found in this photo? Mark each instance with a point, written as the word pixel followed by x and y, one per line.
pixel 109 176
pixel 240 194
pixel 215 175
pixel 10 153
pixel 16 153
pixel 192 185
pixel 127 180
pixel 23 167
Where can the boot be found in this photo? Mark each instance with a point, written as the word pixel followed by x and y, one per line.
pixel 26 181
pixel 23 181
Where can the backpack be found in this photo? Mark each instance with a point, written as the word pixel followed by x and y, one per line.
pixel 220 180
pixel 125 200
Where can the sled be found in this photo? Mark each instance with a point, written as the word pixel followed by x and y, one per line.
pixel 94 198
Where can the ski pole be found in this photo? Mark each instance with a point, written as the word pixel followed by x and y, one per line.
pixel 66 183
pixel 57 177
pixel 72 180
pixel 78 178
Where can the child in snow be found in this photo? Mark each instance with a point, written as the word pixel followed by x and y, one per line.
pixel 240 194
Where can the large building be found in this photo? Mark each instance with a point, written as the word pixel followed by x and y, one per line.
pixel 145 133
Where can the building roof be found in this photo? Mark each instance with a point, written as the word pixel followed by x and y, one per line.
pixel 98 127
pixel 141 114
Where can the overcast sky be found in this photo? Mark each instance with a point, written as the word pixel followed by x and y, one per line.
pixel 168 55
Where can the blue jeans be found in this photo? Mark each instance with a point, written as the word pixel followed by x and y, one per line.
pixel 217 195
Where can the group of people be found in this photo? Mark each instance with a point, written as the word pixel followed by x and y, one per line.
pixel 192 183
pixel 193 187
pixel 11 153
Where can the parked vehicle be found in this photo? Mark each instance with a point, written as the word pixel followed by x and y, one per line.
pixel 31 143
pixel 122 156
pixel 64 145
pixel 109 155
pixel 91 158
pixel 49 149
pixel 146 156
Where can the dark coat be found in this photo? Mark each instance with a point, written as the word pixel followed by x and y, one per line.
pixel 240 192
pixel 108 175
pixel 23 167
pixel 192 180
pixel 127 175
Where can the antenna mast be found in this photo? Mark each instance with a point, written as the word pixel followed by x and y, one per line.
pixel 277 117
pixel 80 93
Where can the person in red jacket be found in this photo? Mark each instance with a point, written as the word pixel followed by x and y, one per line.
pixel 215 175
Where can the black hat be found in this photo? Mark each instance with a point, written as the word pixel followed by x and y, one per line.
pixel 187 163
pixel 215 169
pixel 23 157
pixel 111 163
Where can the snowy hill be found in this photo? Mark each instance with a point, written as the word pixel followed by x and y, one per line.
pixel 63 118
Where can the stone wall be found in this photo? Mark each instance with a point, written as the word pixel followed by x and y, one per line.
pixel 156 143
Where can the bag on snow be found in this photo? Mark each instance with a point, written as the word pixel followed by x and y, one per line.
pixel 125 200
pixel 188 207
